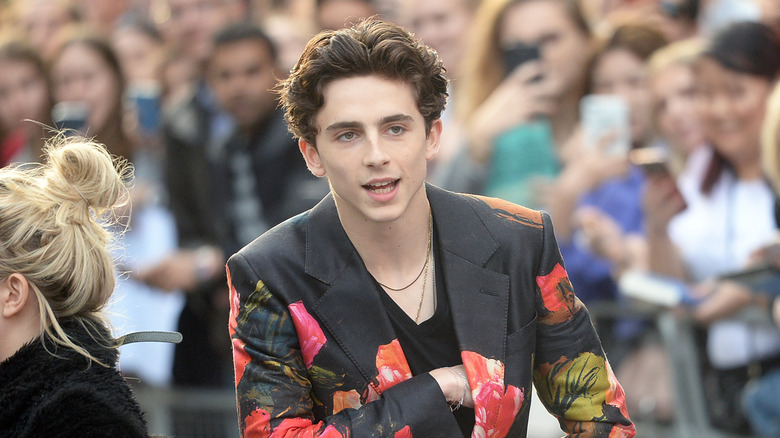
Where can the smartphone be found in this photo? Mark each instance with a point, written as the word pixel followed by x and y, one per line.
pixel 71 117
pixel 654 162
pixel 605 118
pixel 518 54
pixel 145 99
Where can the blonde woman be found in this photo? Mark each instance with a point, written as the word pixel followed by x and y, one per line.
pixel 57 357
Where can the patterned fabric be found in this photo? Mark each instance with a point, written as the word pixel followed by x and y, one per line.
pixel 316 356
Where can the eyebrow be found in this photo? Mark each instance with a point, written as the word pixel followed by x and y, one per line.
pixel 383 121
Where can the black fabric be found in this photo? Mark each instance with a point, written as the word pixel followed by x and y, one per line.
pixel 433 343
pixel 42 395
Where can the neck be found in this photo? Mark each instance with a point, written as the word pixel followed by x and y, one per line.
pixel 749 171
pixel 392 251
pixel 564 121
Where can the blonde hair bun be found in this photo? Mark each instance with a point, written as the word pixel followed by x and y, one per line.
pixel 57 221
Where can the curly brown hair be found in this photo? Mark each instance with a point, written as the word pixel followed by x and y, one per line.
pixel 371 47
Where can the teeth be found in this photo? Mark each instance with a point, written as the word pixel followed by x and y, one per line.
pixel 382 187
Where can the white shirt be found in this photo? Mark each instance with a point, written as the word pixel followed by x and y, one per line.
pixel 716 234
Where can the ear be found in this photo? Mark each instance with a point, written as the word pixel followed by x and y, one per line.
pixel 433 139
pixel 14 294
pixel 312 158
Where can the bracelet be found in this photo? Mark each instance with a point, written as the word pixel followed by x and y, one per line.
pixel 457 406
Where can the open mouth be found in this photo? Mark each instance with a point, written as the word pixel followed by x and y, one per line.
pixel 381 187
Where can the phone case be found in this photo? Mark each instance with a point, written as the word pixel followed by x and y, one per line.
pixel 606 117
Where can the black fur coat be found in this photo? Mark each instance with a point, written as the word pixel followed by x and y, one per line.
pixel 46 396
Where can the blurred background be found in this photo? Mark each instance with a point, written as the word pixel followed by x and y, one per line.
pixel 648 129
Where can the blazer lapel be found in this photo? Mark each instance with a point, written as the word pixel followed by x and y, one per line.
pixel 350 308
pixel 479 297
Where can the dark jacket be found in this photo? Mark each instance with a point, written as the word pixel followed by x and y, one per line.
pixel 67 396
pixel 314 348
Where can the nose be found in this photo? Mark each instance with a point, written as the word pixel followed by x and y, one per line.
pixel 376 155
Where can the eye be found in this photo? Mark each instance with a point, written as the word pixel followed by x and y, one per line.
pixel 347 136
pixel 396 130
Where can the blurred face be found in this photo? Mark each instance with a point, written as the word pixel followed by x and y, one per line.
pixel 673 92
pixel 564 48
pixel 193 23
pixel 141 57
pixel 731 108
pixel 621 73
pixel 335 14
pixel 241 74
pixel 23 94
pixel 80 74
pixel 443 25
pixel 41 20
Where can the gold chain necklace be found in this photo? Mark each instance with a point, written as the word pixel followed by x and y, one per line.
pixel 425 266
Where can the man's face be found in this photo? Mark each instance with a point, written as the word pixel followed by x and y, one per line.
pixel 193 23
pixel 241 74
pixel 372 146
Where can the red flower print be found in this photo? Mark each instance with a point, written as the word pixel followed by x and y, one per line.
pixel 391 365
pixel 406 432
pixel 553 300
pixel 345 400
pixel 495 407
pixel 310 335
pixel 257 424
pixel 557 295
pixel 615 395
pixel 240 358
pixel 302 428
pixel 235 303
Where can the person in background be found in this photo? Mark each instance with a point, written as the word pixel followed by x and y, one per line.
pixel 335 14
pixel 40 21
pixel 431 312
pixel 673 88
pixel 139 48
pixel 57 355
pixel 25 98
pixel 518 121
pixel 102 16
pixel 758 399
pixel 726 213
pixel 261 181
pixel 598 185
pixel 194 131
pixel 445 26
pixel 86 70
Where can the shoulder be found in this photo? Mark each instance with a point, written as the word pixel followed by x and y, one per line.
pixel 89 408
pixel 510 213
pixel 284 243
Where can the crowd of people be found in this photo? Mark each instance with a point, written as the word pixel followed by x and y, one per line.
pixel 186 91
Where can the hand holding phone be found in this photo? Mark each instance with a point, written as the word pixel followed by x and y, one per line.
pixel 662 198
pixel 605 123
pixel 518 54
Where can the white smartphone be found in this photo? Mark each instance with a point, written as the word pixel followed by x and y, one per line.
pixel 71 116
pixel 605 118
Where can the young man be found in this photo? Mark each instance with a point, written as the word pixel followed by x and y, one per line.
pixel 394 308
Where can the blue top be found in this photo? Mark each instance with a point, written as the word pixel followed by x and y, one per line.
pixel 620 199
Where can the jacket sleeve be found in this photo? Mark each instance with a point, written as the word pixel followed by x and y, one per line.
pixel 571 373
pixel 274 378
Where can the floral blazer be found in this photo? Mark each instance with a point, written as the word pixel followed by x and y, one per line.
pixel 316 355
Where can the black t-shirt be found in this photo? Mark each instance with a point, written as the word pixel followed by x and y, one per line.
pixel 432 344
